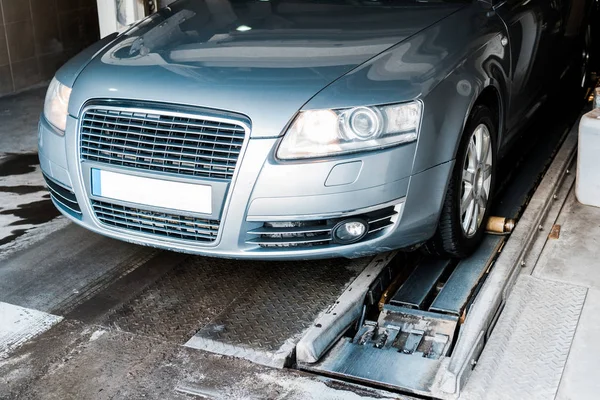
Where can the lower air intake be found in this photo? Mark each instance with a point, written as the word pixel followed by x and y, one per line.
pixel 159 224
pixel 314 233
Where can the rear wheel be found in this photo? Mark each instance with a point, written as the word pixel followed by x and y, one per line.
pixel 470 191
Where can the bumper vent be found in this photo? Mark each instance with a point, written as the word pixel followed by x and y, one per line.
pixel 314 233
pixel 150 140
pixel 63 197
pixel 156 223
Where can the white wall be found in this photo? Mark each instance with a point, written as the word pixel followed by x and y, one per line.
pixel 116 15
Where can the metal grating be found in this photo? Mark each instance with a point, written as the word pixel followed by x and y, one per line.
pixel 155 141
pixel 156 223
pixel 313 233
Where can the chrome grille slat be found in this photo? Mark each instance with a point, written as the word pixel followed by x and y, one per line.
pixel 152 152
pixel 71 205
pixel 291 230
pixel 186 144
pixel 293 241
pixel 170 141
pixel 378 229
pixel 63 196
pixel 162 220
pixel 129 223
pixel 374 220
pixel 161 120
pixel 152 222
pixel 181 169
pixel 147 127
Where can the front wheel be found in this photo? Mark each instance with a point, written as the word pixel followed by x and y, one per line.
pixel 470 190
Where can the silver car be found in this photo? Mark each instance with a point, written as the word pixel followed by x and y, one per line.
pixel 303 129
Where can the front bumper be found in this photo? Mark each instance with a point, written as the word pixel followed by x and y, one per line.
pixel 265 191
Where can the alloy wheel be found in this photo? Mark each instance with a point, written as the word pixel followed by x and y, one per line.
pixel 476 180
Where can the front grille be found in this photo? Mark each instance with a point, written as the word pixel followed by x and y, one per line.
pixel 314 233
pixel 182 145
pixel 64 197
pixel 156 223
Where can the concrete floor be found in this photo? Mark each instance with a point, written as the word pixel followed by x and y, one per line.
pixel 24 201
pixel 573 258
pixel 19 116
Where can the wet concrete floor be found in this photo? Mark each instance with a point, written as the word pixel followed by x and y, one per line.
pixel 24 200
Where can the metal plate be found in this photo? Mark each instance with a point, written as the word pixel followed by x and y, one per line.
pixel 253 310
pixel 528 349
pixel 456 292
pixel 381 367
pixel 184 299
pixel 265 321
pixel 404 350
pixel 421 283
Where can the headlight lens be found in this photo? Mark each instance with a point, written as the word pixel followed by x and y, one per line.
pixel 319 133
pixel 57 104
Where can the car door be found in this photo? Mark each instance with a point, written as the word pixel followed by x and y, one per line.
pixel 534 29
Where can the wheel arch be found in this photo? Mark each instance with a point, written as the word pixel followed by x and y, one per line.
pixel 490 97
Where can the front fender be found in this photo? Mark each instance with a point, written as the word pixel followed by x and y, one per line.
pixel 447 66
pixel 485 64
pixel 448 105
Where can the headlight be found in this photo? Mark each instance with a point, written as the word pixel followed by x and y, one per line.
pixel 319 133
pixel 57 104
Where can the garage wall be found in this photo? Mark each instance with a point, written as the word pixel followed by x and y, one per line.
pixel 38 36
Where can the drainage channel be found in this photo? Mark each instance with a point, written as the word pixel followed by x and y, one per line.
pixel 402 332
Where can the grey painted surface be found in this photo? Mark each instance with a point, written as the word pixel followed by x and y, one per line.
pixel 526 354
pixel 296 57
pixel 580 377
pixel 573 259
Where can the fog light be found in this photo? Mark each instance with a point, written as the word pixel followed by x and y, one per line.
pixel 350 231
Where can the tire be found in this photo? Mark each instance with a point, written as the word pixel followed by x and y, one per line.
pixel 586 60
pixel 452 238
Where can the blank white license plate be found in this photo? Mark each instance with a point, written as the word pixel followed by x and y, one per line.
pixel 152 192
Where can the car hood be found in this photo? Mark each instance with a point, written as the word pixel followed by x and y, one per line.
pixel 264 60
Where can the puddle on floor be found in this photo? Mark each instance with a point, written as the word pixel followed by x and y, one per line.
pixel 29 203
pixel 19 164
pixel 21 189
